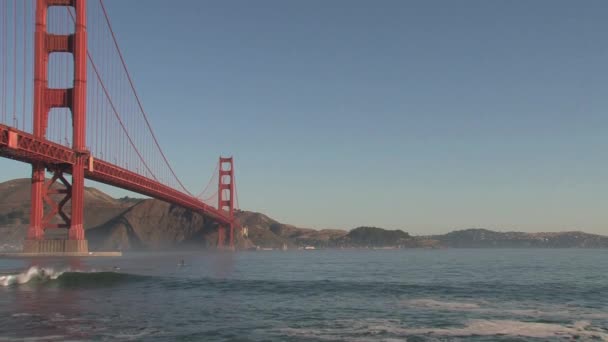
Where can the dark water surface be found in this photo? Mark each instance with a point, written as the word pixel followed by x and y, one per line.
pixel 390 295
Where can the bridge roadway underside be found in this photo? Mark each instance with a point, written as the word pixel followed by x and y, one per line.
pixel 24 147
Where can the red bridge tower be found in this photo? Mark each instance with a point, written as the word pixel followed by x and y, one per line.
pixel 44 100
pixel 226 202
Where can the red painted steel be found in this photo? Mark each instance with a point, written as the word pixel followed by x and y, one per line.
pixel 79 108
pixel 45 155
pixel 226 196
pixel 57 207
pixel 44 100
pixel 48 154
pixel 221 237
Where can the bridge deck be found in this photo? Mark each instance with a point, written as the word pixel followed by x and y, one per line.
pixel 24 147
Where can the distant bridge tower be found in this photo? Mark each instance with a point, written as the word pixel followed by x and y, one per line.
pixel 226 201
pixel 44 100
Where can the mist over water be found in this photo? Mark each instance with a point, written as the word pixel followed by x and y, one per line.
pixel 391 295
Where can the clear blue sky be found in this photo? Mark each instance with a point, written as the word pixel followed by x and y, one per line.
pixel 420 115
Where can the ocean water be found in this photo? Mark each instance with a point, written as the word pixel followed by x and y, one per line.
pixel 332 295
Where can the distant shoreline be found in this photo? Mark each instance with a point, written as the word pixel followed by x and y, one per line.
pixel 151 225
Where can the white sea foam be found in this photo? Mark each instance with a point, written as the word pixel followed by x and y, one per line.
pixel 126 335
pixel 516 328
pixel 21 314
pixel 475 327
pixel 34 272
pixel 521 309
pixel 439 305
pixel 34 339
pixel 57 317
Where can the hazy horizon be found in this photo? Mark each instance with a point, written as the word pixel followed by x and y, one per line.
pixel 422 230
pixel 426 116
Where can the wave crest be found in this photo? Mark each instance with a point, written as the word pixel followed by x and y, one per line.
pixel 66 277
pixel 31 274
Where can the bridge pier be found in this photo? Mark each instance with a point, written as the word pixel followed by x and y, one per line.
pixel 36 231
pixel 223 242
pixel 55 193
pixel 57 246
pixel 221 237
pixel 76 240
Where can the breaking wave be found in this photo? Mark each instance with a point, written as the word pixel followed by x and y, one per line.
pixel 65 277
pixel 33 273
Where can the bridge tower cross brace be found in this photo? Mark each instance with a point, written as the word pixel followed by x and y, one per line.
pixel 226 201
pixel 45 99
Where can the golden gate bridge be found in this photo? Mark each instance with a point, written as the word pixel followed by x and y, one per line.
pixel 69 107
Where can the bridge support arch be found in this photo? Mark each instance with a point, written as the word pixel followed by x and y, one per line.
pixel 45 99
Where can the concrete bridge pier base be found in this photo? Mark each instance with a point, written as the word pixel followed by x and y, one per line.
pixel 58 246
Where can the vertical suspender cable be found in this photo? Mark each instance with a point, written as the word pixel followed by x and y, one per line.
pixel 23 113
pixel 15 63
pixel 4 54
pixel 170 169
pixel 67 77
